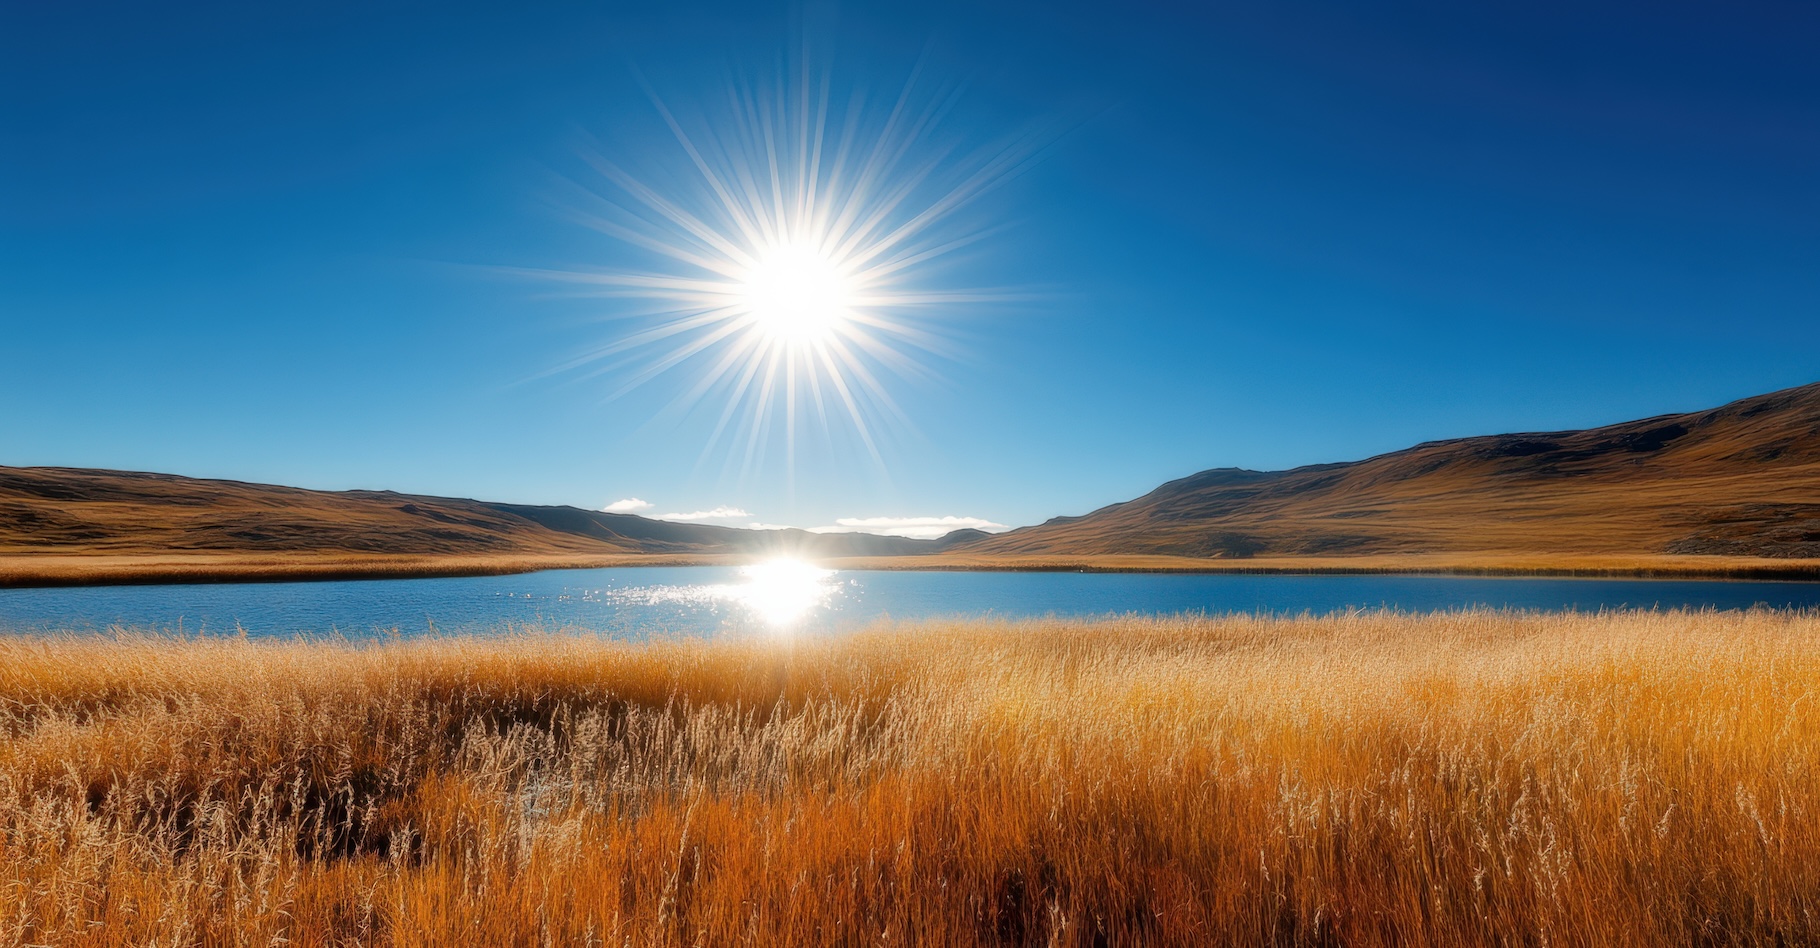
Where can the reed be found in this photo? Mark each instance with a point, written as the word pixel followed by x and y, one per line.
pixel 1471 778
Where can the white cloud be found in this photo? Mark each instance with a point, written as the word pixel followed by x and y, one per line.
pixel 718 513
pixel 926 528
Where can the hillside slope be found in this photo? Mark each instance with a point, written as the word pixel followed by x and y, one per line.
pixel 1739 480
pixel 1719 492
pixel 65 511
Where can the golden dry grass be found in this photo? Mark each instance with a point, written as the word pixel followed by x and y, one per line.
pixel 1367 779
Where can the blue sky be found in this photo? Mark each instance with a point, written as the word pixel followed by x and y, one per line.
pixel 272 244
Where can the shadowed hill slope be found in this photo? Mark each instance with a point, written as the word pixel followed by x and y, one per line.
pixel 1720 490
pixel 76 511
pixel 1740 480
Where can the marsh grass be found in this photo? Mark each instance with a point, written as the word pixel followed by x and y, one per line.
pixel 1366 779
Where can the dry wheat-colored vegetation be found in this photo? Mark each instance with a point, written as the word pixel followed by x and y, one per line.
pixel 1365 779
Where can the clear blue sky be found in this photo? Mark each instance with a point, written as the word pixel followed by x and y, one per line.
pixel 253 241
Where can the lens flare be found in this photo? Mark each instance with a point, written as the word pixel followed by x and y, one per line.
pixel 797 295
pixel 794 267
pixel 782 592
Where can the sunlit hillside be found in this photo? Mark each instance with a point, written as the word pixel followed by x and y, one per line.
pixel 1738 480
pixel 1366 779
pixel 1728 491
pixel 72 526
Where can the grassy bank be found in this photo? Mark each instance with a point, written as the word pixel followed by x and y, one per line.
pixel 95 569
pixel 1569 565
pixel 31 570
pixel 1458 779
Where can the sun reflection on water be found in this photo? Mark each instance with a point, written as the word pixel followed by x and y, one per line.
pixel 782 592
pixel 779 593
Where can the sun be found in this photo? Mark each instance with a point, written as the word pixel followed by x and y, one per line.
pixel 799 273
pixel 797 295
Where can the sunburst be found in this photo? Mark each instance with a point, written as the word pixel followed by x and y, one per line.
pixel 797 265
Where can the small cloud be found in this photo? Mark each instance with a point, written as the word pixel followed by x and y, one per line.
pixel 629 505
pixel 923 528
pixel 768 526
pixel 718 513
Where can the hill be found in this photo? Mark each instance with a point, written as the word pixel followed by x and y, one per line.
pixel 73 525
pixel 1742 480
pixel 1730 491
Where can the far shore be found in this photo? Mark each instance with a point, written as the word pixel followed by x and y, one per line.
pixel 61 569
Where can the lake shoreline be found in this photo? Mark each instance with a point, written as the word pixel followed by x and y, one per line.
pixel 76 570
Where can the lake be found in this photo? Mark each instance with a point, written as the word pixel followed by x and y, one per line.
pixel 641 601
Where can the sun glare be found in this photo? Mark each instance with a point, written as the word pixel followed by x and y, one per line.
pixel 797 295
pixel 782 592
pixel 791 273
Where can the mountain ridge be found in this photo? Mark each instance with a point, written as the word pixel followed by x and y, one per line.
pixel 1742 479
pixel 1732 490
pixel 52 510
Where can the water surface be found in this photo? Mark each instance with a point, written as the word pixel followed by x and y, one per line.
pixel 640 601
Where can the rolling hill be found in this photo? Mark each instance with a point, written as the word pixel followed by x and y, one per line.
pixel 77 525
pixel 1742 480
pixel 1730 491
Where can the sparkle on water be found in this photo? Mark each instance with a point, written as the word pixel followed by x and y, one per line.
pixel 779 593
pixel 790 599
pixel 782 592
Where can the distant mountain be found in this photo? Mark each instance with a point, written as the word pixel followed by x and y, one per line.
pixel 1741 480
pixel 72 510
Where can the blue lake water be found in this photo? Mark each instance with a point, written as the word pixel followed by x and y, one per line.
pixel 637 602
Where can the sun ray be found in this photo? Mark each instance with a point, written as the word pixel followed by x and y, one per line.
pixel 797 275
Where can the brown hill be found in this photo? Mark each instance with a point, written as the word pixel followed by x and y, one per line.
pixel 52 511
pixel 1741 480
pixel 1720 492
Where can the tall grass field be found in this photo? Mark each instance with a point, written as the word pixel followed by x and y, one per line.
pixel 1473 778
